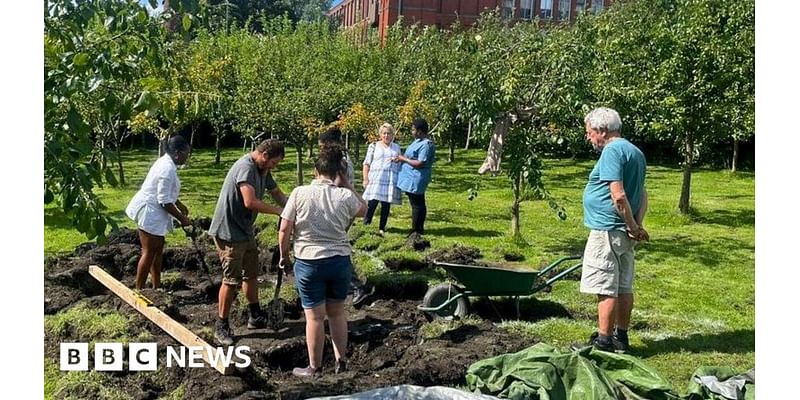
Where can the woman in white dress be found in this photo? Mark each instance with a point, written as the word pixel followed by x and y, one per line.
pixel 380 176
pixel 154 206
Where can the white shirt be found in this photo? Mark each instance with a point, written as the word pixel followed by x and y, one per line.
pixel 321 212
pixel 161 186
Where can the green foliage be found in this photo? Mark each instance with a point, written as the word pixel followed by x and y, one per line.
pixel 678 72
pixel 93 53
pixel 681 71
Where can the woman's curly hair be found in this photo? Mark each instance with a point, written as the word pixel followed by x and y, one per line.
pixel 329 161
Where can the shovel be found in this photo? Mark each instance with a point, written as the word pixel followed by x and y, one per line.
pixel 275 307
pixel 193 232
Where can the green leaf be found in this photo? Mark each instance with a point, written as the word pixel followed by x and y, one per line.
pixel 187 22
pixel 48 196
pixel 80 59
pixel 100 226
pixel 75 122
pixel 144 101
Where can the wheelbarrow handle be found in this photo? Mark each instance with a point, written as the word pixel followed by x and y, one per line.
pixel 556 263
pixel 561 274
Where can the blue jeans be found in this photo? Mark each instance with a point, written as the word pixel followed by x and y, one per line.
pixel 323 280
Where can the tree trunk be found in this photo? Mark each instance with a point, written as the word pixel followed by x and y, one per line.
pixel 735 154
pixel 311 152
pixel 469 135
pixel 688 155
pixel 515 207
pixel 452 155
pixel 216 151
pixel 299 165
pixel 495 152
pixel 191 137
pixel 103 161
pixel 357 143
pixel 347 141
pixel 119 163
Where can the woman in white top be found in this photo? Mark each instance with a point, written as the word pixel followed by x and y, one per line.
pixel 318 215
pixel 154 206
pixel 380 176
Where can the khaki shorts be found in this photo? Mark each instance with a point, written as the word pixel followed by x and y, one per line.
pixel 237 258
pixel 608 263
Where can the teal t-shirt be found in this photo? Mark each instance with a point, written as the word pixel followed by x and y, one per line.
pixel 620 160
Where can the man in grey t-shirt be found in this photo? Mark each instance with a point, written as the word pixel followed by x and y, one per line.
pixel 239 203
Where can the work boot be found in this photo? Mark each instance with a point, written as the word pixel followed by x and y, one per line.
pixel 360 296
pixel 257 321
pixel 620 340
pixel 307 372
pixel 223 333
pixel 341 366
pixel 600 344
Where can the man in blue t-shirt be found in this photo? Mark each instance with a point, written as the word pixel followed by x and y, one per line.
pixel 614 206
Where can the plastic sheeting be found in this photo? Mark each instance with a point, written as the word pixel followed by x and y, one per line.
pixel 411 392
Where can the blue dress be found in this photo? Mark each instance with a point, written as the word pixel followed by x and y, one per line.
pixel 416 180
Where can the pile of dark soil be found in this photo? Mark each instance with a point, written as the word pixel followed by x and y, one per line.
pixel 417 242
pixel 385 344
pixel 456 255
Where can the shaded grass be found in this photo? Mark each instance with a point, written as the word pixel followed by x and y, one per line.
pixel 695 280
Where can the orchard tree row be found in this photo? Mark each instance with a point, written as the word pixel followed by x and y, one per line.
pixel 680 72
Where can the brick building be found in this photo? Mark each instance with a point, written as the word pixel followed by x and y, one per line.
pixel 442 13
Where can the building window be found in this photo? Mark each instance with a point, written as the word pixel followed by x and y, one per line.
pixel 563 10
pixel 526 9
pixel 546 9
pixel 597 6
pixel 580 6
pixel 508 9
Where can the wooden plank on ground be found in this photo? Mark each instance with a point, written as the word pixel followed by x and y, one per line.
pixel 164 321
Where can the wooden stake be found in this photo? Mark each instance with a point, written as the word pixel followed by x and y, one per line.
pixel 142 304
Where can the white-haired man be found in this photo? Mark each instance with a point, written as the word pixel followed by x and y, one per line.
pixel 614 206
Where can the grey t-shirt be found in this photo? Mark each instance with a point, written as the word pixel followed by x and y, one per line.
pixel 232 221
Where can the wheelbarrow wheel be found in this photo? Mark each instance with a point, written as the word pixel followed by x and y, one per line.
pixel 438 295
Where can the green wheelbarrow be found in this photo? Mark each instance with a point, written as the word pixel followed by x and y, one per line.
pixel 448 300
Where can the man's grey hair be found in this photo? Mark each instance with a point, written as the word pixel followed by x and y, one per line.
pixel 604 118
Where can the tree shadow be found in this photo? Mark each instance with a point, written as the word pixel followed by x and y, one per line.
pixel 710 252
pixel 730 342
pixel 55 218
pixel 448 231
pixel 729 218
pixel 570 180
pixel 461 231
pixel 567 246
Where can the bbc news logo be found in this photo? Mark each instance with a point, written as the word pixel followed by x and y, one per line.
pixel 144 356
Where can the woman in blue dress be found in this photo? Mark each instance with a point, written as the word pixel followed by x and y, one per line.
pixel 415 173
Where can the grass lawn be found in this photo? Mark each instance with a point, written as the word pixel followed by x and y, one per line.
pixel 695 279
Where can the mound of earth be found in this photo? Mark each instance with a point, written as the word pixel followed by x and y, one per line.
pixel 455 255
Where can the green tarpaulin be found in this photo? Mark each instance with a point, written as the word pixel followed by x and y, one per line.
pixel 546 373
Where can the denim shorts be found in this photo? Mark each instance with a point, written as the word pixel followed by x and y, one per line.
pixel 323 280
